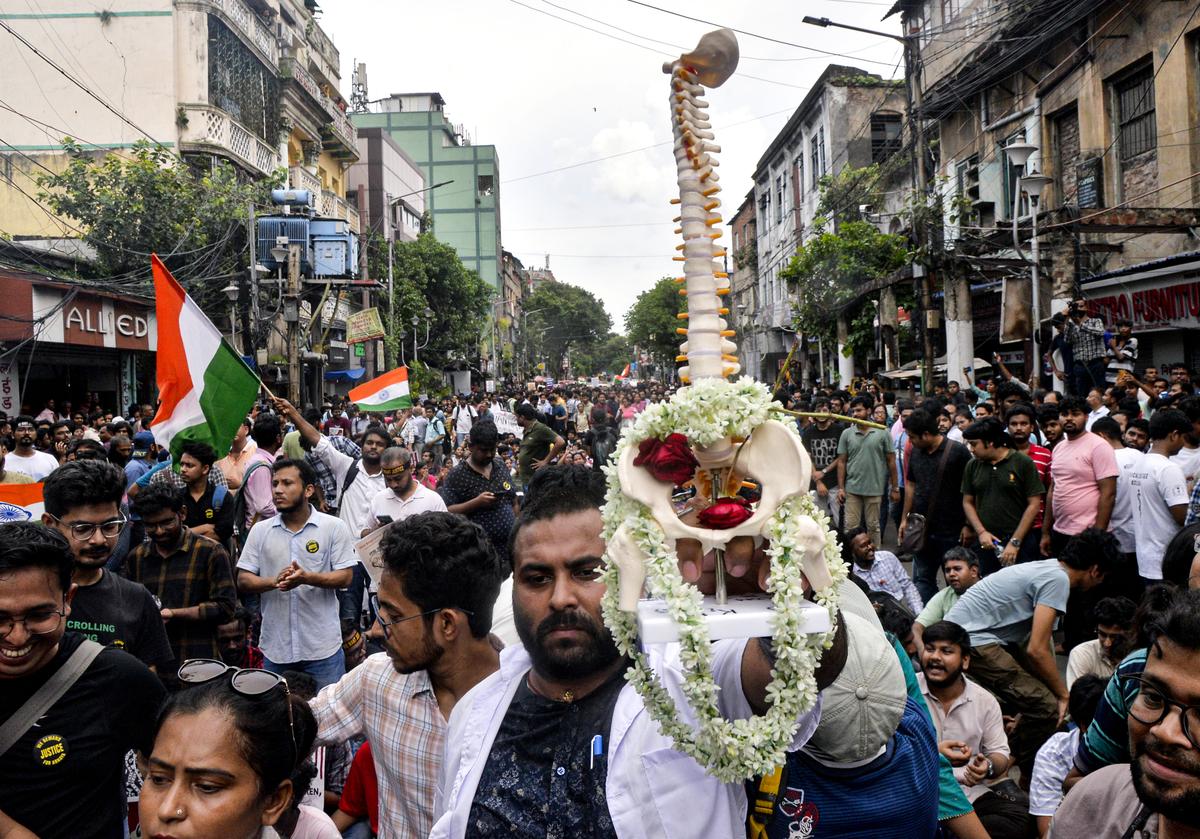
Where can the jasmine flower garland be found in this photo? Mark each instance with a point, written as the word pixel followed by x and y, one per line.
pixel 706 412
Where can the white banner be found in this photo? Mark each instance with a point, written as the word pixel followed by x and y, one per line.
pixel 506 422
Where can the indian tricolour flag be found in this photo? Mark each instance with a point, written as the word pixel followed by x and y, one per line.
pixel 389 392
pixel 205 389
pixel 20 502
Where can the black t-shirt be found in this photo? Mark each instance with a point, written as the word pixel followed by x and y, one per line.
pixel 822 448
pixel 205 511
pixel 64 779
pixel 546 773
pixel 948 515
pixel 117 612
pixel 464 483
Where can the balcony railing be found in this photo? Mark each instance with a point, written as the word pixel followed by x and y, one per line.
pixel 334 206
pixel 247 24
pixel 343 129
pixel 212 130
pixel 339 124
pixel 301 178
pixel 319 42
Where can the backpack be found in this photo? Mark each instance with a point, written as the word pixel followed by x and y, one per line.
pixel 604 443
pixel 240 530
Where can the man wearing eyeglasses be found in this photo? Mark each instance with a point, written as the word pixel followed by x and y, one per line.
pixel 62 778
pixel 1157 794
pixel 83 502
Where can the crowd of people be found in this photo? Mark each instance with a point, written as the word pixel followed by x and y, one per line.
pixel 188 645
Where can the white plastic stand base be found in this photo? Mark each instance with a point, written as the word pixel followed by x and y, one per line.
pixel 743 616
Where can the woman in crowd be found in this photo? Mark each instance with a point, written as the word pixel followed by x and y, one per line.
pixel 224 755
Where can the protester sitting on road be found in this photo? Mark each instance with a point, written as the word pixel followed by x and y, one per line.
pixel 1113 619
pixel 1054 758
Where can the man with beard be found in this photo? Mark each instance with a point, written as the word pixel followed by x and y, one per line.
pixel 557 743
pixel 1158 793
pixel 1051 425
pixel 403 496
pixel 481 488
pixel 440 580
pixel 1083 479
pixel 25 458
pixel 970 728
pixel 820 439
pixel 1001 497
pixel 8 476
pixel 296 560
pixel 359 480
pixel 83 503
pixel 960 567
pixel 191 576
pixel 233 641
pixel 1137 435
pixel 1113 619
pixel 62 777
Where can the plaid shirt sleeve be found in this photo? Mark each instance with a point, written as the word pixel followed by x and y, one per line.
pixel 1193 513
pixel 338 709
pixel 222 592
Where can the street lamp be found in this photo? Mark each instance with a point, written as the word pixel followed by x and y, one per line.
pixel 1033 185
pixel 415 321
pixel 231 293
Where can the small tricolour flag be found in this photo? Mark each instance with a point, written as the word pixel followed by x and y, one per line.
pixel 20 502
pixel 205 389
pixel 388 392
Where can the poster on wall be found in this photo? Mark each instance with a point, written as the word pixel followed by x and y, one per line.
pixel 10 388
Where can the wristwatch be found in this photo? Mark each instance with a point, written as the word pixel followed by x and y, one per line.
pixel 991 773
pixel 1016 543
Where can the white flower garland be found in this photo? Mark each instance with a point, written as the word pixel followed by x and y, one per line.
pixel 732 751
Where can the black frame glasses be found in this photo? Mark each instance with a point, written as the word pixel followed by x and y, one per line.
pixel 248 681
pixel 12 623
pixel 83 531
pixel 1149 695
pixel 374 599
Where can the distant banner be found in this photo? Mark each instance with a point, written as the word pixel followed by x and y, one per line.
pixel 363 326
pixel 506 422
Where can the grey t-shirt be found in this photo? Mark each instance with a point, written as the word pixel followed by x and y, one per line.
pixel 999 608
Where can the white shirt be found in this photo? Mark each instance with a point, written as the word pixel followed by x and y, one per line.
pixel 955 434
pixel 1188 460
pixel 1121 523
pixel 1054 760
pixel 464 418
pixel 653 791
pixel 354 506
pixel 301 624
pixel 423 500
pixel 1087 659
pixel 1158 485
pixel 1095 415
pixel 37 466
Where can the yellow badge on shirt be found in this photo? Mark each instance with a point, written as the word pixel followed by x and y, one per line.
pixel 208 514
pixel 311 546
pixel 51 750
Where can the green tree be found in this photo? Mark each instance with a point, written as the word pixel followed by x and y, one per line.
pixel 652 320
pixel 563 318
pixel 429 274
pixel 147 201
pixel 828 269
pixel 608 356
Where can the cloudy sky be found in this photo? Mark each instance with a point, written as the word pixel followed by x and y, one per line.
pixel 580 118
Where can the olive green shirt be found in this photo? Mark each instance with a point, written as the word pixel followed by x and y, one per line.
pixel 1002 491
pixel 535 445
pixel 866 459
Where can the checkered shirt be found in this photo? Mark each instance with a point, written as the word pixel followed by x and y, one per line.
pixel 1086 339
pixel 330 488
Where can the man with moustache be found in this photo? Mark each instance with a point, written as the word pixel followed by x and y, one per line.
pixel 403 496
pixel 25 458
pixel 63 776
pixel 1083 478
pixel 439 583
pixel 83 502
pixel 296 560
pixel 556 743
pixel 960 567
pixel 481 488
pixel 1158 793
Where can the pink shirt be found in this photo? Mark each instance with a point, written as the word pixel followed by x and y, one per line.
pixel 1076 469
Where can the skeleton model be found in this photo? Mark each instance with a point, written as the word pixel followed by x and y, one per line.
pixel 714 435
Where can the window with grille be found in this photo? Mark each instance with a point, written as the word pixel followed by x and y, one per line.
pixel 779 188
pixel 950 9
pixel 1136 123
pixel 800 175
pixel 885 136
pixel 240 84
pixel 815 156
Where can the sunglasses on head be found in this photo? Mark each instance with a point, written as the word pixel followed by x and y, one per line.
pixel 246 681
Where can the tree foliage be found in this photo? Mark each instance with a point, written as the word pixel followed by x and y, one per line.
pixel 608 356
pixel 652 320
pixel 564 318
pixel 147 201
pixel 429 274
pixel 828 269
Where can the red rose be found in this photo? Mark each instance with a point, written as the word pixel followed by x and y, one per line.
pixel 725 513
pixel 670 460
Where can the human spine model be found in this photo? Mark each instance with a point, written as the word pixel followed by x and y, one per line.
pixel 708 351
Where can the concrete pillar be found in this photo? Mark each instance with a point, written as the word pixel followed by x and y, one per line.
pixel 960 334
pixel 845 365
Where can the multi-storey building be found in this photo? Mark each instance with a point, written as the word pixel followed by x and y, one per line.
pixel 743 285
pixel 251 82
pixel 850 118
pixel 1106 94
pixel 387 186
pixel 463 196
